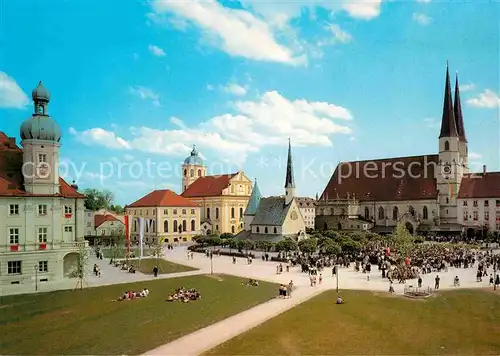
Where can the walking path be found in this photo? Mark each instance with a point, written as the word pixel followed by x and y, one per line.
pixel 207 338
pixel 213 335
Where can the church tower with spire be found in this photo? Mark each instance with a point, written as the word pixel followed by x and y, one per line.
pixel 462 140
pixel 289 180
pixel 41 137
pixel 450 170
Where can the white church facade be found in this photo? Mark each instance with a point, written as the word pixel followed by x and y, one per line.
pixel 42 217
pixel 274 218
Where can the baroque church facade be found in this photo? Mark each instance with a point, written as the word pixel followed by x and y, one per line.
pixel 222 198
pixel 277 217
pixel 42 217
pixel 433 193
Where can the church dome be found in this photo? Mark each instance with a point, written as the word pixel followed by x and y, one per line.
pixel 40 128
pixel 40 93
pixel 193 158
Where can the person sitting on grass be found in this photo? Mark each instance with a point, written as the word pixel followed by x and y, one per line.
pixel 251 282
pixel 340 300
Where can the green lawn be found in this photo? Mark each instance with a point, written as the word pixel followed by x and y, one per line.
pixel 164 267
pixel 461 322
pixel 87 322
pixel 120 252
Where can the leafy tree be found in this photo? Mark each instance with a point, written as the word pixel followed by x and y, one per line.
pixel 226 235
pixel 358 236
pixel 156 251
pixel 264 245
pixel 403 241
pixel 96 199
pixel 118 240
pixel 248 245
pixel 80 270
pixel 308 245
pixel 332 248
pixel 287 245
pixel 332 234
pixel 117 209
pixel 215 241
pixel 199 239
pixel 350 246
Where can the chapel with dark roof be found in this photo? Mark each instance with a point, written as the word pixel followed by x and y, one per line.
pixel 433 193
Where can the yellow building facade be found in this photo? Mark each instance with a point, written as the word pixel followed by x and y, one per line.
pixel 222 198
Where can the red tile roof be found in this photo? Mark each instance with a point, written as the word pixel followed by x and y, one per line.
pixel 208 186
pixel 480 186
pixel 11 178
pixel 392 179
pixel 101 219
pixel 161 198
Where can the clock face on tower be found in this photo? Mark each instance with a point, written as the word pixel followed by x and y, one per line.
pixel 43 171
pixel 446 171
pixel 293 215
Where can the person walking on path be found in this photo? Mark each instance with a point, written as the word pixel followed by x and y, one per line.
pixel 437 279
pixel 155 271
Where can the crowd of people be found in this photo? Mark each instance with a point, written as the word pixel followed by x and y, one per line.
pixel 133 295
pixel 184 295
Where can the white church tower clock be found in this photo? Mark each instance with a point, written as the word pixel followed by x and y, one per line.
pixel 40 136
pixel 452 156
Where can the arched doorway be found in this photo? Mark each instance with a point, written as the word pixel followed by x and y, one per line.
pixel 209 232
pixel 325 226
pixel 409 227
pixel 70 262
pixel 339 226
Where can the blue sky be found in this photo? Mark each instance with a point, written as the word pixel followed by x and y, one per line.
pixel 134 82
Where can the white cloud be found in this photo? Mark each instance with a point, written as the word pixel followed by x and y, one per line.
pixel 474 156
pixel 237 32
pixel 269 120
pixel 281 12
pixel 145 93
pixel 337 35
pixel 421 18
pixel 101 137
pixel 424 1
pixel 467 87
pixel 487 99
pixel 352 138
pixel 157 51
pixel 210 87
pixel 235 89
pixel 11 94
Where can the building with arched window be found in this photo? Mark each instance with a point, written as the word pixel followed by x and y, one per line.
pixel 273 218
pixel 222 198
pixel 167 217
pixel 433 193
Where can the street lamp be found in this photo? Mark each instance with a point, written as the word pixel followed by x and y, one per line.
pixel 36 277
pixel 495 262
pixel 211 262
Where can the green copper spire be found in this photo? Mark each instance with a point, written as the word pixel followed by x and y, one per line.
pixel 253 202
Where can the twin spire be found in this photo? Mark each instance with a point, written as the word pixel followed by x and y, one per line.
pixel 452 122
pixel 289 180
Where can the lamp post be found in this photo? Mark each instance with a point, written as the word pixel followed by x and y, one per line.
pixel 211 262
pixel 36 277
pixel 337 277
pixel 495 262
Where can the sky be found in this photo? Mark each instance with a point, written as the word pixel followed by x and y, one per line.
pixel 134 84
